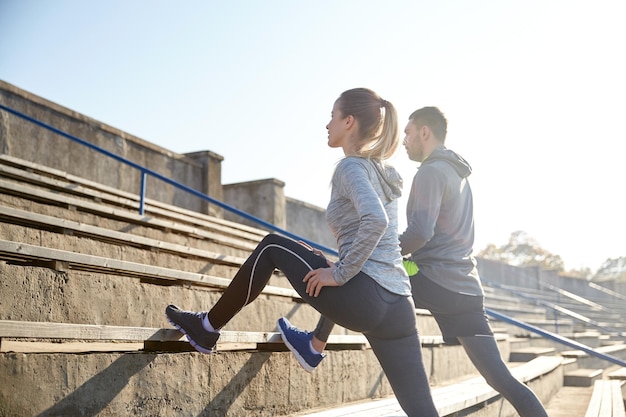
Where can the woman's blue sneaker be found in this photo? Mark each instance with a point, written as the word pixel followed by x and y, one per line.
pixel 299 343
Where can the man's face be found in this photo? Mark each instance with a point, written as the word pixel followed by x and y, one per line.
pixel 413 142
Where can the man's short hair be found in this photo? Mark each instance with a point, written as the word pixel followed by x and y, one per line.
pixel 433 118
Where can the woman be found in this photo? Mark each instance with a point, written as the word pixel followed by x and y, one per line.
pixel 368 288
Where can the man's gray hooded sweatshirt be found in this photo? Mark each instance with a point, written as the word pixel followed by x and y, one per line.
pixel 363 216
pixel 440 223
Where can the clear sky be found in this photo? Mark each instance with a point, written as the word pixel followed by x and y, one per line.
pixel 534 92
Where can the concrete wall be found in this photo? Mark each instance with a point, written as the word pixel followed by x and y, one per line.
pixel 23 139
pixel 534 278
pixel 201 171
pixel 266 200
pixel 508 275
pixel 309 221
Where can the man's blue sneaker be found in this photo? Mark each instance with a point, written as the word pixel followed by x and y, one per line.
pixel 190 324
pixel 299 343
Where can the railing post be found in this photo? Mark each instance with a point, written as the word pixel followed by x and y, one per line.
pixel 170 181
pixel 556 321
pixel 142 192
pixel 556 314
pixel 555 337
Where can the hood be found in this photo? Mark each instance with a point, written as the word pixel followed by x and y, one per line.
pixel 460 165
pixel 390 179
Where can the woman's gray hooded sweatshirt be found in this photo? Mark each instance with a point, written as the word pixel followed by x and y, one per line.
pixel 363 216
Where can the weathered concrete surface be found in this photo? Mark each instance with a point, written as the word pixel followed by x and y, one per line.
pixel 182 384
pixel 23 139
pixel 42 294
pixel 201 171
pixel 193 384
pixel 136 228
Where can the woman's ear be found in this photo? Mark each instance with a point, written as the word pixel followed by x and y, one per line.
pixel 350 121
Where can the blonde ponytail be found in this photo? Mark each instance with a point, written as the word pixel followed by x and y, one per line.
pixel 378 122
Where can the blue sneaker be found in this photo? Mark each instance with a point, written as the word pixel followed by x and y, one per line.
pixel 190 324
pixel 299 343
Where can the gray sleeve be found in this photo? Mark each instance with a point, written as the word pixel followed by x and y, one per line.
pixel 355 184
pixel 423 209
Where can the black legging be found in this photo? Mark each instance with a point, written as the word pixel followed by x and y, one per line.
pixel 484 353
pixel 387 320
pixel 482 349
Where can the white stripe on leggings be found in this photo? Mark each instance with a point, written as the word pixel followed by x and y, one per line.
pixel 257 259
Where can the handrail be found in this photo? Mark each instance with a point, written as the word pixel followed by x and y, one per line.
pixel 555 337
pixel 556 308
pixel 145 171
pixel 606 291
pixel 575 297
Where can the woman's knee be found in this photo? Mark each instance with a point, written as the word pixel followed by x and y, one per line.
pixel 270 238
pixel 273 239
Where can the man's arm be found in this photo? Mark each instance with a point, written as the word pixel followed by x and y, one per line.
pixel 423 209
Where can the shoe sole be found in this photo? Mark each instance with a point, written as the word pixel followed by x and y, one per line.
pixel 295 352
pixel 192 342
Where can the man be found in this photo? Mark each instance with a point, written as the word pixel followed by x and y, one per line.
pixel 439 239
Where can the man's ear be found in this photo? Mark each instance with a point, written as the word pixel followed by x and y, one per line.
pixel 425 132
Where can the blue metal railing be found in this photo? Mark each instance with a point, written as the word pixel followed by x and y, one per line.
pixel 606 291
pixel 575 297
pixel 145 172
pixel 555 337
pixel 557 309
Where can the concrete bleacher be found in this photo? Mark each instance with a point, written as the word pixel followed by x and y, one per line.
pixel 607 399
pixel 85 282
pixel 580 313
pixel 86 278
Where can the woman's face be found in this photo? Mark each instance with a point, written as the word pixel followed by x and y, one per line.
pixel 337 128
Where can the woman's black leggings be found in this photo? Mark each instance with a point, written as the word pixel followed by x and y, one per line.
pixel 387 320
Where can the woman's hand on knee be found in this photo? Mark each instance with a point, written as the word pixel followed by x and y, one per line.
pixel 320 278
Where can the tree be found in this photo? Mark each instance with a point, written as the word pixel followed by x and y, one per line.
pixel 522 250
pixel 611 269
pixel 583 272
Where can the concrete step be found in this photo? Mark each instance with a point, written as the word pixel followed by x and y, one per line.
pixel 619 373
pixel 586 360
pixel 76 237
pixel 561 326
pixel 226 384
pixel 530 353
pixel 125 296
pixel 18 195
pixel 581 377
pixel 468 397
pixel 263 379
pixel 569 402
pixel 591 339
pixel 60 182
pixel 606 400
